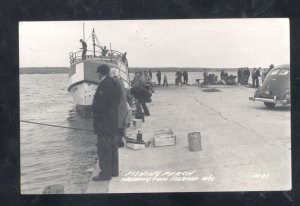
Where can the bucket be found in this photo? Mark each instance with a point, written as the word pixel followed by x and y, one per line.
pixel 137 123
pixel 194 139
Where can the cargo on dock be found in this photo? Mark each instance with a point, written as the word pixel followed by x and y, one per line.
pixel 240 151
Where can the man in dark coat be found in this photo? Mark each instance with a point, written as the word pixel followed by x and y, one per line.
pixel 247 75
pixel 222 74
pixel 141 94
pixel 257 75
pixel 185 77
pixel 158 75
pixel 239 75
pixel 150 73
pixel 253 74
pixel 105 110
pixel 84 49
pixel 178 77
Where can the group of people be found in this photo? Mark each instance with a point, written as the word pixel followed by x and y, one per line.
pixel 165 79
pixel 243 75
pixel 112 110
pixel 181 78
pixel 104 52
pixel 179 75
pixel 259 72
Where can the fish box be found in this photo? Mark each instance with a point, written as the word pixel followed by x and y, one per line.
pixel 135 145
pixel 132 143
pixel 164 138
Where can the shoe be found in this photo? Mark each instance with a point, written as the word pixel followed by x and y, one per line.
pixel 101 178
pixel 121 143
pixel 115 175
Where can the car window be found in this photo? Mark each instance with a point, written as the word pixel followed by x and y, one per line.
pixel 275 71
pixel 283 72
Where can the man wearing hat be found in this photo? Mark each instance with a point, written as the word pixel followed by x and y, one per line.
pixel 105 110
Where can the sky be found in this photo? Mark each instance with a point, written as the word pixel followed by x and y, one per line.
pixel 211 43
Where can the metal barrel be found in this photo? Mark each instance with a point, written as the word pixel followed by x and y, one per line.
pixel 194 139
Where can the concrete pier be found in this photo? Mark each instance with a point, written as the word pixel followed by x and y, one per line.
pixel 245 146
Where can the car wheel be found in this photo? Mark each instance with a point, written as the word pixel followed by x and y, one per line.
pixel 269 105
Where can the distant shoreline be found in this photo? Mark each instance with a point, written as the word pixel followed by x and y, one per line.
pixel 65 70
pixel 44 70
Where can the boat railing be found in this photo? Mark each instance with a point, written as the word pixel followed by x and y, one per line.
pixel 108 56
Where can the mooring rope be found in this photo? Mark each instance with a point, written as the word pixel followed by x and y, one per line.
pixel 52 125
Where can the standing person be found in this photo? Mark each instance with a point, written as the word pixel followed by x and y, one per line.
pixel 105 110
pixel 253 73
pixel 124 58
pixel 158 75
pixel 84 49
pixel 185 77
pixel 146 75
pixel 222 74
pixel 270 68
pixel 205 76
pixel 165 80
pixel 247 75
pixel 141 94
pixel 263 75
pixel 150 73
pixel 104 51
pixel 257 75
pixel 124 112
pixel 178 77
pixel 239 75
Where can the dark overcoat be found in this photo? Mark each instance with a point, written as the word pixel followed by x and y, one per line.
pixel 105 107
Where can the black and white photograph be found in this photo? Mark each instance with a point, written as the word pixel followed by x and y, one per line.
pixel 155 106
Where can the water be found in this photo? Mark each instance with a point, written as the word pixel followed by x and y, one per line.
pixel 52 155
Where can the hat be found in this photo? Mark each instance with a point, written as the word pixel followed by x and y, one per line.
pixel 103 69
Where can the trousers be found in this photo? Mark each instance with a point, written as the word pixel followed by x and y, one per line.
pixel 140 106
pixel 108 154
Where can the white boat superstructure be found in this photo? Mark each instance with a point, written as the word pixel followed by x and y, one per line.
pixel 83 77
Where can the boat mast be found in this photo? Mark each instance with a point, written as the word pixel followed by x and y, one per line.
pixel 83 32
pixel 110 52
pixel 93 35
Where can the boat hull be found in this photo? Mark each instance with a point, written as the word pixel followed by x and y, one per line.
pixel 84 80
pixel 83 93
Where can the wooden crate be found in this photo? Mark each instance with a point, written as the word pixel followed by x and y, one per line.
pixel 135 146
pixel 164 138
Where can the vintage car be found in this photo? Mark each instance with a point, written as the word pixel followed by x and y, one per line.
pixel 276 87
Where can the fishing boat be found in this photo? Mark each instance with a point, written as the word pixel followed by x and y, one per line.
pixel 83 77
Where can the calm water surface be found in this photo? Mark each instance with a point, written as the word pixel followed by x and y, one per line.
pixel 52 155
